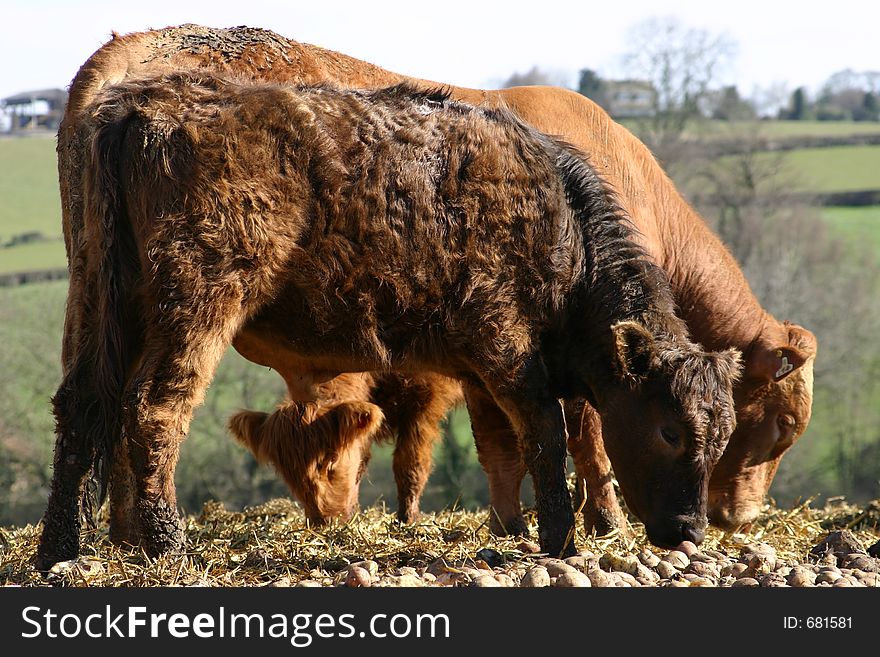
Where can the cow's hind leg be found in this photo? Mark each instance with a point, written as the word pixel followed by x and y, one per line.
pixel 178 363
pixel 500 455
pixel 123 520
pixel 595 490
pixel 78 424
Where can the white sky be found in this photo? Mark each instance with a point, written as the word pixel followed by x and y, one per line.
pixel 471 43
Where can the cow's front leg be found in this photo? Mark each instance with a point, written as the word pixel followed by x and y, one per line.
pixel 499 452
pixel 537 418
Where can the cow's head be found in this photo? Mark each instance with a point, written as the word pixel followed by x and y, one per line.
pixel 773 406
pixel 321 452
pixel 667 415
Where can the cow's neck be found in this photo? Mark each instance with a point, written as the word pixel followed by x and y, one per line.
pixel 712 293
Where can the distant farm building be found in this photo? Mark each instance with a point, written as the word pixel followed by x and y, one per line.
pixel 39 110
pixel 629 99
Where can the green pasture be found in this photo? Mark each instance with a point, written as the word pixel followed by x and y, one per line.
pixel 29 199
pixel 836 169
pixel 858 225
pixel 30 257
pixel 823 170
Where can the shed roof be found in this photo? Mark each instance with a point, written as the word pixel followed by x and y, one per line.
pixel 53 96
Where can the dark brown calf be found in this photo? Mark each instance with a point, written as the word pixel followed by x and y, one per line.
pixel 360 231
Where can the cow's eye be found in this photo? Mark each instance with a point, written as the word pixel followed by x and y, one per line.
pixel 670 436
pixel 786 422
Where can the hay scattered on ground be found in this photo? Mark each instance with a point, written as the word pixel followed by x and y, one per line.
pixel 273 544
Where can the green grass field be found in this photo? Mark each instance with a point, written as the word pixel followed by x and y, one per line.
pixel 823 170
pixel 857 225
pixel 29 187
pixel 837 169
pixel 31 257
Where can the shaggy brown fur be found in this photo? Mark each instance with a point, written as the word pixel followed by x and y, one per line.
pixel 298 446
pixel 711 291
pixel 334 439
pixel 217 211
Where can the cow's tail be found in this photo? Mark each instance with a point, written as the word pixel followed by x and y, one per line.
pixel 114 271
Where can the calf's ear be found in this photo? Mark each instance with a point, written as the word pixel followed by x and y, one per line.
pixel 634 351
pixel 730 362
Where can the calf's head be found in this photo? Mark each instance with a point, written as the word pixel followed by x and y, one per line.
pixel 666 416
pixel 773 407
pixel 320 451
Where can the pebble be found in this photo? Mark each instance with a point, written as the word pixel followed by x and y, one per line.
pixel 645 573
pixel 403 581
pixel 626 578
pixel 772 580
pixel 556 567
pixel 485 581
pixel 648 558
pixel 600 579
pixel 703 569
pixel 666 570
pixel 308 584
pixel 862 562
pixel 840 544
pixel 358 577
pixel 578 562
pixel 869 579
pixel 702 558
pixel 702 581
pixel 801 576
pixel 505 580
pixel 623 564
pixel 535 577
pixel 745 581
pixel 734 570
pixel 759 557
pixel 688 548
pixel 573 579
pixel 829 576
pixel 453 578
pixel 678 559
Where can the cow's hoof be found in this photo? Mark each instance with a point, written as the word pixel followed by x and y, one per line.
pixel 515 526
pixel 48 556
pixel 162 530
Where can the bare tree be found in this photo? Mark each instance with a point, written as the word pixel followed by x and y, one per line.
pixel 682 64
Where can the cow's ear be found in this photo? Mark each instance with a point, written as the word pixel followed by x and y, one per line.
pixel 775 362
pixel 634 351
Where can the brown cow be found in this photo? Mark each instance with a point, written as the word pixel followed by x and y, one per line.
pixel 711 291
pixel 367 231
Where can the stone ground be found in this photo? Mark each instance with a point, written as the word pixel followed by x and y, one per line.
pixel 273 545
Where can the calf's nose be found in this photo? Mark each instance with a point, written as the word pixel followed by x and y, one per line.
pixel 693 534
